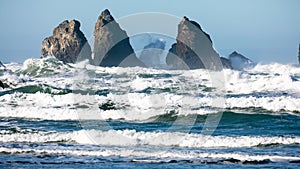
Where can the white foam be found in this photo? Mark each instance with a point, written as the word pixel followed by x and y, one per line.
pixel 275 68
pixel 134 138
pixel 243 82
pixel 156 156
pixel 133 106
pixel 44 66
pixel 276 104
pixel 188 98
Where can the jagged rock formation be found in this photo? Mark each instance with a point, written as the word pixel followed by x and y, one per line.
pixel 239 62
pixel 1 84
pixel 193 48
pixel 226 63
pixel 111 45
pixel 299 54
pixel 67 43
pixel 152 52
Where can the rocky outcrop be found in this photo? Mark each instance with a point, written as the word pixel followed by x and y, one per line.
pixel 226 63
pixel 299 54
pixel 239 62
pixel 193 48
pixel 2 84
pixel 67 43
pixel 151 54
pixel 111 44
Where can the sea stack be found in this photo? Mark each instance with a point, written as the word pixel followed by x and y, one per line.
pixel 111 44
pixel 239 62
pixel 1 84
pixel 152 52
pixel 67 43
pixel 193 48
pixel 226 63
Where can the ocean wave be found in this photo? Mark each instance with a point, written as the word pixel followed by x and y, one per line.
pixel 132 106
pixel 44 67
pixel 279 78
pixel 41 88
pixel 161 156
pixel 134 138
pixel 48 89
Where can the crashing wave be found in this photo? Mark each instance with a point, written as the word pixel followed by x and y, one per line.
pixel 44 67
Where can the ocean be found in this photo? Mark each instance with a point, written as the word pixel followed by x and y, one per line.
pixel 55 115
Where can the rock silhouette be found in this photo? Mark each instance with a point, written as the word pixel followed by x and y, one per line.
pixel 226 63
pixel 2 65
pixel 152 52
pixel 111 44
pixel 239 62
pixel 67 43
pixel 1 84
pixel 193 48
pixel 299 54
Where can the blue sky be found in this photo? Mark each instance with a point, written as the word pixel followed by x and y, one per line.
pixel 263 30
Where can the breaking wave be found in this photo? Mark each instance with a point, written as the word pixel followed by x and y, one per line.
pixel 134 138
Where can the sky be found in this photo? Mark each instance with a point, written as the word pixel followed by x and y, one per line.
pixel 262 30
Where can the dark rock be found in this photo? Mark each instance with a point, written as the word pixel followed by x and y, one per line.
pixel 193 48
pixel 1 84
pixel 111 45
pixel 299 54
pixel 2 65
pixel 67 43
pixel 239 62
pixel 152 52
pixel 226 63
